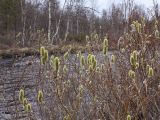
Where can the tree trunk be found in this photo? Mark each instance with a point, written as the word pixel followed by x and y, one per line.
pixel 67 30
pixel 23 19
pixel 49 21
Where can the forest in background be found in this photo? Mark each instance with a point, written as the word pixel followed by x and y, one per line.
pixel 27 23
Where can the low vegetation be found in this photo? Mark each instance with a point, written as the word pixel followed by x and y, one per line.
pixel 117 85
pixel 73 62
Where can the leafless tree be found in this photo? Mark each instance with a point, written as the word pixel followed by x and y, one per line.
pixel 23 19
pixel 49 21
pixel 156 9
pixel 58 24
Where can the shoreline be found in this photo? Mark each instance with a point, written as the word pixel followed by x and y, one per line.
pixel 24 52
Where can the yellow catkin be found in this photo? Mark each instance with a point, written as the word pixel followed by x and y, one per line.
pixel 40 96
pixel 42 51
pixel 151 72
pixel 82 60
pixel 56 64
pixel 94 64
pixel 147 69
pixel 28 107
pixel 113 59
pixel 131 74
pixel 132 60
pixel 89 59
pixel 21 95
pixel 105 46
pixel 25 101
pixel 128 117
pixel 67 117
pixel 135 55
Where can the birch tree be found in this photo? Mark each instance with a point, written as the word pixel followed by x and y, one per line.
pixel 49 21
pixel 23 19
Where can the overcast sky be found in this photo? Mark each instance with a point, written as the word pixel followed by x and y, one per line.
pixel 104 4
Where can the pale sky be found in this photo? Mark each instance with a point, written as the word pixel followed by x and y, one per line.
pixel 104 4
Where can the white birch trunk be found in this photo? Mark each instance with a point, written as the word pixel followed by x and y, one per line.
pixel 49 21
pixel 23 19
pixel 67 30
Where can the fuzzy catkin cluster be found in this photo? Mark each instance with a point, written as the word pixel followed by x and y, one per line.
pixel 44 55
pixel 92 62
pixel 134 59
pixel 128 117
pixel 113 58
pixel 55 62
pixel 149 71
pixel 105 46
pixel 136 26
pixel 27 106
pixel 82 60
pixel 21 95
pixel 131 74
pixel 40 96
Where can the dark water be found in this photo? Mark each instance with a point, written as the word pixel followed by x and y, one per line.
pixel 13 76
pixel 17 74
